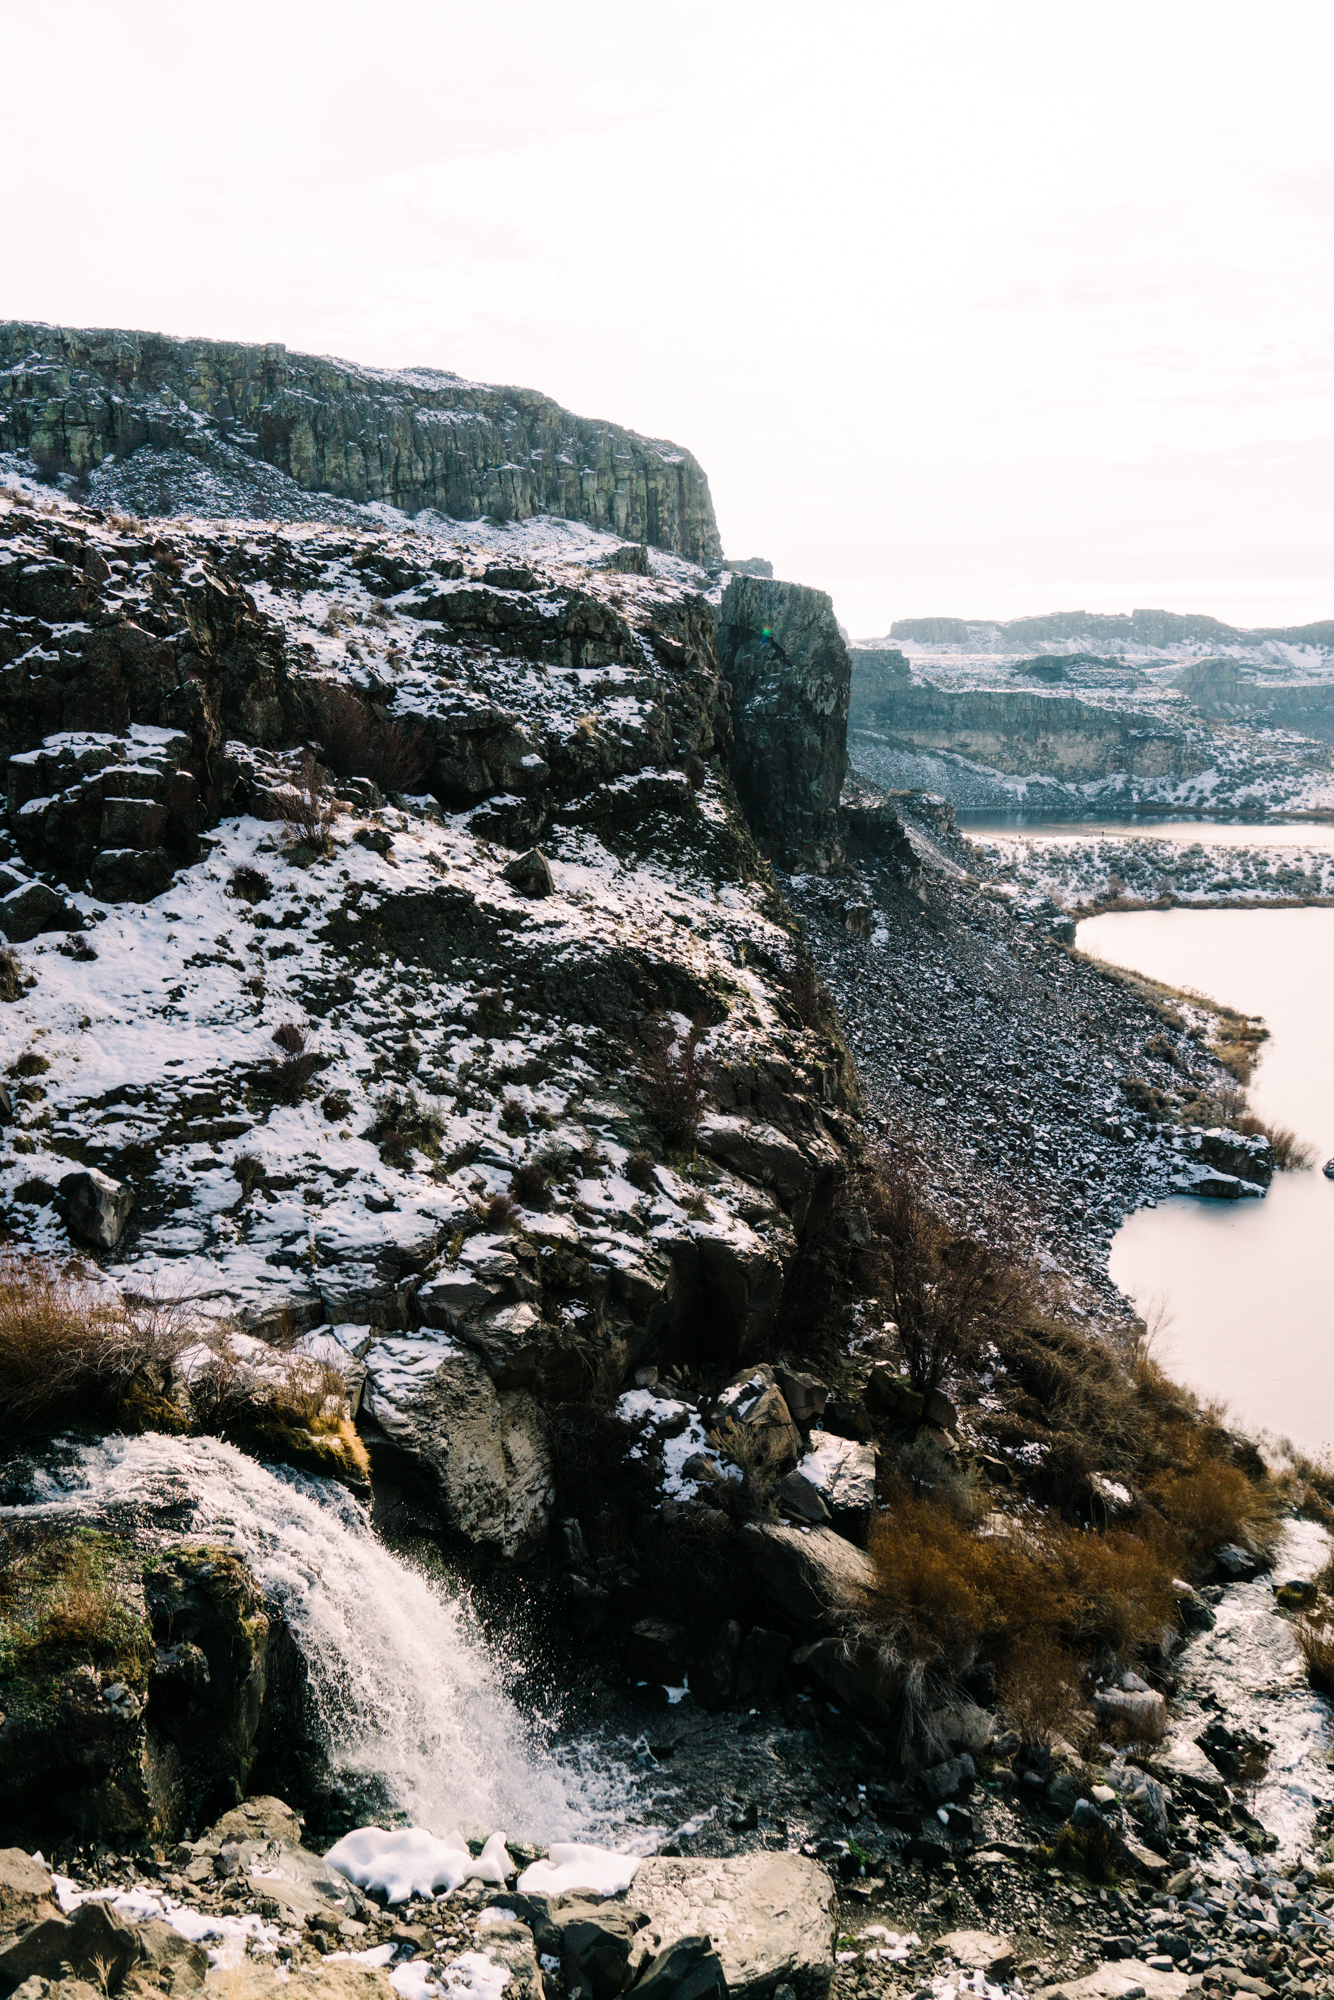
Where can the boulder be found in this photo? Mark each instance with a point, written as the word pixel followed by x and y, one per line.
pixel 97 1944
pixel 96 1207
pixel 1142 1710
pixel 595 1945
pixel 530 873
pixel 980 1951
pixel 842 1472
pixel 798 1496
pixel 954 1779
pixel 805 1395
pixel 480 1453
pixel 754 1399
pixel 26 1890
pixel 770 1917
pixel 764 1655
pixel 812 1574
pixel 1131 1979
pixel 32 909
pixel 1236 1564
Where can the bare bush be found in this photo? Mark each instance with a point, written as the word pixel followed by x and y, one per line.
pixel 531 1184
pixel 675 1087
pixel 360 740
pixel 310 810
pixel 11 974
pixel 946 1292
pixel 501 1211
pixel 295 1064
pixel 249 884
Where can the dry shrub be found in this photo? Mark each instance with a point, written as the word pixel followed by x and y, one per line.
pixel 501 1211
pixel 641 1173
pixel 11 974
pixel 947 1293
pixel 1316 1640
pixel 1291 1154
pixel 1035 1602
pixel 294 1390
pixel 64 1345
pixel 674 1086
pixel 249 884
pixel 295 1064
pixel 763 1453
pixel 1209 1501
pixel 360 740
pixel 309 808
pixel 531 1184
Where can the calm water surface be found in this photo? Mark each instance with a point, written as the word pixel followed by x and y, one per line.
pixel 1248 1288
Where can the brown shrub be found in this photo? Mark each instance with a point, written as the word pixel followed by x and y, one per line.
pixel 501 1211
pixel 11 974
pixel 250 884
pixel 1316 1640
pixel 1209 1501
pixel 309 808
pixel 295 1064
pixel 531 1184
pixel 1291 1154
pixel 641 1173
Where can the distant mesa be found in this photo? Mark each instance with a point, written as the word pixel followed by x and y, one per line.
pixel 1137 628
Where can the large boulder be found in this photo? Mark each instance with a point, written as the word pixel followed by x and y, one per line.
pixel 770 1917
pixel 96 1207
pixel 813 1574
pixel 480 1452
pixel 26 1890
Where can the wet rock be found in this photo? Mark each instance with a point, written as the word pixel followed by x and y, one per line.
pixel 1237 1564
pixel 770 1917
pixel 714 1670
pixel 814 1575
pixel 96 1207
pixel 479 1452
pixel 595 1946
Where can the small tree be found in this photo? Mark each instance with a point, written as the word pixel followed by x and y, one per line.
pixel 944 1290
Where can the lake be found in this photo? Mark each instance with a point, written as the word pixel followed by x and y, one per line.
pixel 1246 1289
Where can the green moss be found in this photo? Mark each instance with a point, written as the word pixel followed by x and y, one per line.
pixel 69 1597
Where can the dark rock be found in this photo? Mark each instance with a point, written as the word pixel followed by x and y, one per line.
pixel 780 647
pixel 796 1495
pixel 805 1395
pixel 1238 1565
pixel 814 1576
pixel 530 873
pixel 954 1779
pixel 764 1654
pixel 97 1208
pixel 655 1650
pixel 32 910
pixel 502 576
pixel 97 1944
pixel 689 1969
pixel 712 1677
pixel 340 429
pixel 595 1946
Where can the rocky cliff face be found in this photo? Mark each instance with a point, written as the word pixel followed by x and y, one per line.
pixel 414 438
pixel 394 957
pixel 780 647
pixel 1020 734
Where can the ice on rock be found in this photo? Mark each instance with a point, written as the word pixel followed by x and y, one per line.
pixel 597 1870
pixel 413 1862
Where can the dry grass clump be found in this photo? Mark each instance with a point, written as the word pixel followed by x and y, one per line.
pixel 11 973
pixel 1209 1501
pixel 1316 1640
pixel 59 1594
pixel 66 1346
pixel 309 808
pixel 1291 1154
pixel 296 1062
pixel 946 1292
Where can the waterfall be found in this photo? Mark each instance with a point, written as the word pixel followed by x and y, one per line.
pixel 404 1687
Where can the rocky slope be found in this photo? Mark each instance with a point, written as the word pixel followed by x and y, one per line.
pixel 73 400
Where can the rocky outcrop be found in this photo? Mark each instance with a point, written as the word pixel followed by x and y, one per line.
pixel 152 1714
pixel 1028 734
pixel 770 1918
pixel 780 647
pixel 414 438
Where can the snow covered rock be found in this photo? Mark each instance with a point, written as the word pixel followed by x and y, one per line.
pixel 97 1207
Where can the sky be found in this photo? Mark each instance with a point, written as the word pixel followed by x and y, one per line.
pixel 965 308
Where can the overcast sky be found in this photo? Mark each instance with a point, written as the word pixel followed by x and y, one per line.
pixel 965 307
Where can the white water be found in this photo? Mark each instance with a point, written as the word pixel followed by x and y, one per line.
pixel 404 1687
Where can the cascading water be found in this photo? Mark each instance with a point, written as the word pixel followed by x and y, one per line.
pixel 405 1691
